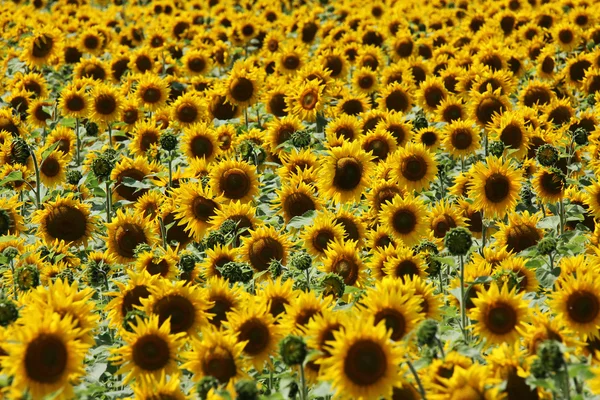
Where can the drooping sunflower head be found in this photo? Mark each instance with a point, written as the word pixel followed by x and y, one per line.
pixel 520 233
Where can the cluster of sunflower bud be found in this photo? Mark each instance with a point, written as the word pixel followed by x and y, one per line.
pixel 104 163
pixel 251 152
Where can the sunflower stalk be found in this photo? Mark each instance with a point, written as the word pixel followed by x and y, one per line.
pixel 463 314
pixel 304 394
pixel 78 154
pixel 110 144
pixel 170 162
pixel 417 379
pixel 14 278
pixel 108 201
pixel 38 181
pixel 567 388
pixel 561 212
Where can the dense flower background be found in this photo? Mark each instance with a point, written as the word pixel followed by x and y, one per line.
pixel 304 199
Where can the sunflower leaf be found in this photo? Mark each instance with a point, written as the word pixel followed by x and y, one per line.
pixel 12 177
pixel 302 220
pixel 49 151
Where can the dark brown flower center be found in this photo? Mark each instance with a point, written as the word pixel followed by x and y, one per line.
pixel 133 298
pixel 404 221
pixel 352 107
pixel 394 321
pixel 434 96
pixel 583 307
pixel 497 188
pixel 489 107
pixel 241 89
pixel 222 305
pixel 50 167
pixel 379 147
pixel 66 223
pixel 151 353
pixel 257 334
pixel 348 173
pixel 180 309
pixel 235 183
pixel 347 269
pixel 414 168
pixel 91 42
pixel 128 192
pixel 461 139
pixel 220 364
pixel 75 103
pixel 501 318
pixel 278 105
pixel 406 268
pixel 46 359
pixel 105 104
pixel 128 237
pixel 265 250
pixel 365 363
pixel 152 95
pixel 42 46
pixel 297 204
pixel 512 136
pixel 322 239
pixel 442 225
pixel 187 113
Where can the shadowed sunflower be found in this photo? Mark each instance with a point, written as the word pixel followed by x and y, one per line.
pixel 576 302
pixel 500 314
pixel 443 217
pixel 295 199
pixel 185 305
pixel 342 258
pixel 106 103
pixel 406 218
pixel 468 383
pixel 188 109
pixel 520 233
pixel 394 304
pixel 128 296
pixel 484 106
pixel 195 208
pixel 65 219
pixel 257 329
pixel 126 232
pixel 302 307
pixel 152 92
pixel 379 142
pixel 41 48
pixel 549 184
pixel 150 350
pixel 45 356
pixel 280 131
pixel 432 93
pixel 413 167
pixel 461 138
pixel 363 363
pixel 158 262
pixel 264 245
pixel 136 169
pixel 495 187
pixel 218 354
pixel 224 299
pixel 277 295
pixel 11 222
pixel 344 172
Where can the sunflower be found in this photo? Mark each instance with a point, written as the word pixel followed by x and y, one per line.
pixel 379 142
pixel 106 103
pixel 472 382
pixel 431 93
pixel 576 302
pixel 520 233
pixel 224 299
pixel 136 169
pixel 430 302
pixel 566 36
pixel 484 106
pixel 429 137
pixel 300 309
pixel 234 180
pixel 381 193
pixel 344 172
pixel 243 84
pixel 495 187
pixel 152 387
pixel 277 295
pixel 306 100
pixel 36 113
pixel 66 219
pixel 342 258
pixel 243 214
pixel 451 109
pixel 275 100
pixel 352 104
pixel 296 162
pixel 195 207
pixel 295 199
pixel 290 59
pixel 527 281
pixel 461 138
pixel 443 217
pixel 11 221
pixel 264 245
pixel 406 218
pixel 413 167
pixel 363 363
pixel 257 329
pixel 542 328
pixel 188 109
pixel 158 262
pixel 126 232
pixel 45 357
pixel 197 62
pixel 549 184
pixel 404 263
pixel 152 92
pixel 365 80
pixel 341 129
pixel 218 354
pixel 128 296
pixel 280 131
pixel 41 48
pixel 200 141
pixel 53 167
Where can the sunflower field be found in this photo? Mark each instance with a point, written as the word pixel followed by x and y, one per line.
pixel 305 199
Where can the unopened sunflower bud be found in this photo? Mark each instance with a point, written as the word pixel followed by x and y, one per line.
pixel 333 285
pixel 275 268
pixel 205 385
pixel 102 167
pixel 420 121
pixel 293 350
pixel 187 262
pixel 301 260
pixel 8 312
pixel 96 273
pixel 246 390
pixel 66 274
pixel 10 253
pixel 301 139
pixel 141 248
pixel 580 136
pixel 228 226
pixel 213 239
pixel 91 128
pixel 73 177
pixel 236 272
pixel 458 241
pixel 168 141
pixel 538 370
pixel 496 148
pixel 426 333
pixel 547 245
pixel 550 355
pixel 27 277
pixel 547 155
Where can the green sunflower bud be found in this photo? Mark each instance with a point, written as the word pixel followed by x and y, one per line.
pixel 168 141
pixel 301 260
pixel 205 385
pixel 275 268
pixel 187 262
pixel 458 241
pixel 547 155
pixel 91 128
pixel 333 284
pixel 19 151
pixel 10 253
pixel 73 177
pixel 8 312
pixel 496 148
pixel 551 356
pixel 427 332
pixel 301 139
pixel 246 390
pixel 102 167
pixel 293 350
pixel 27 277
pixel 141 248
pixel 213 239
pixel 66 274
pixel 547 245
pixel 228 227
pixel 580 136
pixel 236 272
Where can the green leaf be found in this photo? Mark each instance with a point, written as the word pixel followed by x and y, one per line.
pixel 12 177
pixel 97 371
pixel 549 222
pixel 303 220
pixel 49 151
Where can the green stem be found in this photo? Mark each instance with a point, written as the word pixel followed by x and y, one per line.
pixel 483 237
pixel 108 202
pixel 110 136
pixel 441 346
pixel 308 277
pixel 12 268
pixel 567 386
pixel 38 181
pixel 551 261
pixel 78 159
pixel 303 383
pixel 463 315
pixel 561 211
pixel 163 232
pixel 417 379
pixel 170 169
pixel 441 280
